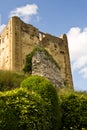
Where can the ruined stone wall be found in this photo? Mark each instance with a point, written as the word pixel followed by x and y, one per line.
pixel 25 37
pixel 5 48
pixel 68 73
pixel 58 48
pixel 29 39
pixel 43 66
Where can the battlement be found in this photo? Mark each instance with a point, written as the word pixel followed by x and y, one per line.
pixel 18 39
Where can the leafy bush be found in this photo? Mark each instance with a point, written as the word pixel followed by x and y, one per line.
pixel 28 65
pixel 22 110
pixel 10 80
pixel 48 93
pixel 74 110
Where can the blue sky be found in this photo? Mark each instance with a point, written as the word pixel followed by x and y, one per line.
pixel 56 17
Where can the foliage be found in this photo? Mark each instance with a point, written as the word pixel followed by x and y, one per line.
pixel 74 111
pixel 35 105
pixel 64 92
pixel 10 80
pixel 22 110
pixel 28 65
pixel 48 93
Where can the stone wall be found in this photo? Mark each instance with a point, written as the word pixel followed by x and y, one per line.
pixel 29 39
pixel 26 37
pixel 5 48
pixel 43 66
pixel 58 48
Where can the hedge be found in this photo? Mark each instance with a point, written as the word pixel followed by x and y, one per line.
pixel 74 112
pixel 48 93
pixel 22 110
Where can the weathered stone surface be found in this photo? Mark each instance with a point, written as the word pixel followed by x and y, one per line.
pixel 43 66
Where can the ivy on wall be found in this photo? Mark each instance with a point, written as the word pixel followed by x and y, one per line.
pixel 28 65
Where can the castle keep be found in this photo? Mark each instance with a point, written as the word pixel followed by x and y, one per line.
pixel 18 39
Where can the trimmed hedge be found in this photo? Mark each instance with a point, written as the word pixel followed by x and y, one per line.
pixel 10 80
pixel 22 110
pixel 48 93
pixel 74 112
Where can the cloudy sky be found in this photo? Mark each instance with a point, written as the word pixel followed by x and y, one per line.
pixel 56 17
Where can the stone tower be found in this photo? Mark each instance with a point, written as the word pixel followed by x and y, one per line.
pixel 18 39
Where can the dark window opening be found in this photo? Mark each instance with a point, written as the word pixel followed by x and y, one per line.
pixel 62 52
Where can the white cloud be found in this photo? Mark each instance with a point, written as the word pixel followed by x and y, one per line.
pixel 80 62
pixel 83 71
pixel 25 12
pixel 77 40
pixel 2 27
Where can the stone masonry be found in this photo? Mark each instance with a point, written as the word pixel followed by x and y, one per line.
pixel 18 39
pixel 43 66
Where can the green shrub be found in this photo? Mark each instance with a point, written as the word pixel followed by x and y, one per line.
pixel 10 80
pixel 47 91
pixel 28 65
pixel 74 110
pixel 22 110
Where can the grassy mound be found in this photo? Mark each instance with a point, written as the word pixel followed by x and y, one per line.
pixel 10 80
